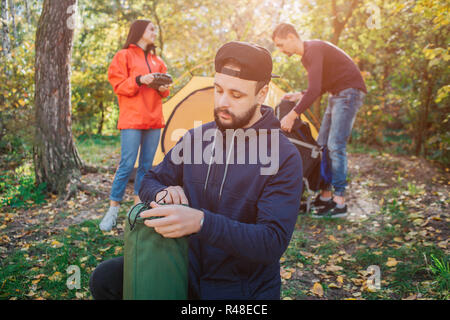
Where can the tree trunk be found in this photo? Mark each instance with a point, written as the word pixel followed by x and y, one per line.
pixel 4 31
pixel 56 159
pixel 13 21
pixel 27 14
pixel 102 119
pixel 338 25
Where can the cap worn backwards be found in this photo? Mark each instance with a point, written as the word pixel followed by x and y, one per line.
pixel 255 61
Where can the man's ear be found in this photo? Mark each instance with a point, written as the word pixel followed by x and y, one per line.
pixel 261 95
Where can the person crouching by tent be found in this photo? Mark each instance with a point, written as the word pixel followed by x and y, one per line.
pixel 140 110
pixel 329 70
pixel 239 221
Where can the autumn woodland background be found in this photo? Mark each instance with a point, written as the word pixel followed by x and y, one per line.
pixel 399 149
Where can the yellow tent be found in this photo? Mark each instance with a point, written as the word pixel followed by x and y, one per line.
pixel 193 105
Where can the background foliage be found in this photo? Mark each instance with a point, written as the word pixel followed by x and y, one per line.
pixel 401 48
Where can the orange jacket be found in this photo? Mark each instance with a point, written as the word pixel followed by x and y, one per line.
pixel 140 107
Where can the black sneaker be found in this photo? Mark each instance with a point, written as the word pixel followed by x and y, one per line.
pixel 331 211
pixel 318 203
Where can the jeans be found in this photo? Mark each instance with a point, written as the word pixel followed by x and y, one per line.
pixel 130 141
pixel 337 124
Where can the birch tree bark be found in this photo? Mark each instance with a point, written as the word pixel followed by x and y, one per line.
pixel 4 30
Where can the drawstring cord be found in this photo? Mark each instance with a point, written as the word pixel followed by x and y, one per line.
pixel 146 205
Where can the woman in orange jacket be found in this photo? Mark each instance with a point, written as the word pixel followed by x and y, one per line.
pixel 140 110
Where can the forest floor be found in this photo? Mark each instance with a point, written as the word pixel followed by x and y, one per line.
pixel 398 226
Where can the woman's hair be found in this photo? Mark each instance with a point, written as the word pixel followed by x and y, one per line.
pixel 137 29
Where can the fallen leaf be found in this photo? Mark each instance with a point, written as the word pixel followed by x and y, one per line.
pixel 104 249
pixel 392 262
pixel 333 268
pixel 56 244
pixel 285 274
pixel 317 289
pixel 340 279
pixel 411 297
pixel 357 281
pixel 306 254
pixel 57 276
pixel 443 244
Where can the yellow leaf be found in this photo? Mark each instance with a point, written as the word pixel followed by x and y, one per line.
pixel 443 244
pixel 317 289
pixel 340 279
pixel 398 239
pixel 332 238
pixel 57 276
pixel 333 268
pixel 286 274
pixel 392 262
pixel 85 229
pixel 56 244
pixel 333 285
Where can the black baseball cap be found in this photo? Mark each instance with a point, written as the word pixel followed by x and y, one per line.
pixel 255 61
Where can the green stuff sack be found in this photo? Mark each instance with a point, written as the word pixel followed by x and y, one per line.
pixel 155 268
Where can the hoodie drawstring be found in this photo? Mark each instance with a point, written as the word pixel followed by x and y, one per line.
pixel 226 163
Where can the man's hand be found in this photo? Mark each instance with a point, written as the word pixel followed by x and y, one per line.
pixel 296 96
pixel 177 221
pixel 288 121
pixel 147 79
pixel 175 195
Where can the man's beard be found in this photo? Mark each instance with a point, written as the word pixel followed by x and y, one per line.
pixel 236 122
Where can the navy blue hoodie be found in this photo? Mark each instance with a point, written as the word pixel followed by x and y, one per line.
pixel 249 217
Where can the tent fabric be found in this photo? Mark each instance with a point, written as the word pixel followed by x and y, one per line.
pixel 193 105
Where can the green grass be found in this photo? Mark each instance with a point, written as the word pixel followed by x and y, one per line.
pixel 97 149
pixel 40 270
